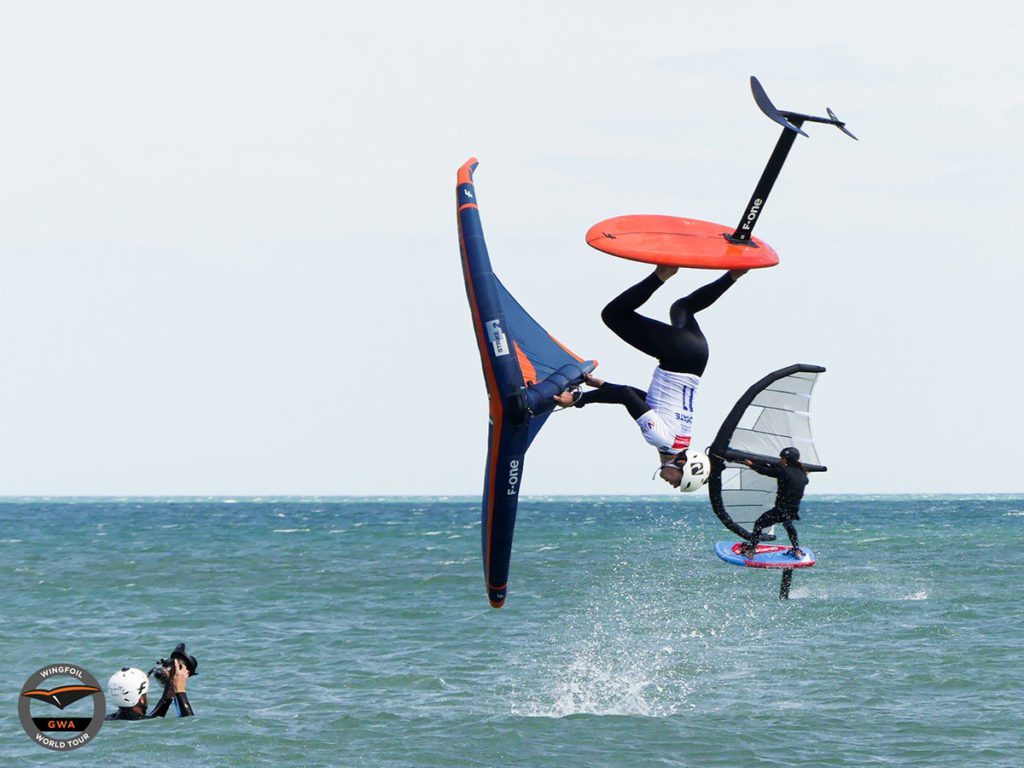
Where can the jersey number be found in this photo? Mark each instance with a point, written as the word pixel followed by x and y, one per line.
pixel 688 393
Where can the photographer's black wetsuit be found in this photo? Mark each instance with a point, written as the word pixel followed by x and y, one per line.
pixel 182 708
pixel 792 481
pixel 680 347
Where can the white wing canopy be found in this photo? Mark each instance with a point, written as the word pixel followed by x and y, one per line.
pixel 778 417
pixel 773 414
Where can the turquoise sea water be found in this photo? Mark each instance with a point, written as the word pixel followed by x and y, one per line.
pixel 356 632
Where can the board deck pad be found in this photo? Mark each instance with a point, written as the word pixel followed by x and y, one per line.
pixel 767 556
pixel 678 242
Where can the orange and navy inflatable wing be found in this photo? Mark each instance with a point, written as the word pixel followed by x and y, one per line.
pixel 524 368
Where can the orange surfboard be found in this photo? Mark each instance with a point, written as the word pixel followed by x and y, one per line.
pixel 678 242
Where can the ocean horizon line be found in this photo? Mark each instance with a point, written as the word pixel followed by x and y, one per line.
pixel 317 498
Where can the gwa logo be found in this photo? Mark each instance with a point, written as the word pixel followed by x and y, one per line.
pixel 83 728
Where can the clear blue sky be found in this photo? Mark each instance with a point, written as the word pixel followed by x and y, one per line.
pixel 230 261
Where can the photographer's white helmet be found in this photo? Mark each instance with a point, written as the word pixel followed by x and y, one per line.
pixel 127 686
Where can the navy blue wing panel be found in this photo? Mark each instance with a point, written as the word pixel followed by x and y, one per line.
pixel 543 354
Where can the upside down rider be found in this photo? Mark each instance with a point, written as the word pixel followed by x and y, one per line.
pixel 664 412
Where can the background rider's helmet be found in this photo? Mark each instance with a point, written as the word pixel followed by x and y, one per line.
pixel 790 455
pixel 127 686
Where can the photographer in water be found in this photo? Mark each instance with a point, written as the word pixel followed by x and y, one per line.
pixel 129 688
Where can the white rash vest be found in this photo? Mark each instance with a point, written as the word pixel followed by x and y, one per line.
pixel 668 424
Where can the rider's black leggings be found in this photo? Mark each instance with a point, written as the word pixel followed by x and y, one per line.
pixel 770 518
pixel 680 346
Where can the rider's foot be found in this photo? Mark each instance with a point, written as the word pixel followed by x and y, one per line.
pixel 664 272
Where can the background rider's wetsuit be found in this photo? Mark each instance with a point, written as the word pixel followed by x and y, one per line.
pixel 792 480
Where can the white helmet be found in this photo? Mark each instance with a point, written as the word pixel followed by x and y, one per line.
pixel 126 687
pixel 696 470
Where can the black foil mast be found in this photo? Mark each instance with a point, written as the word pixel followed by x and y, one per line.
pixel 791 123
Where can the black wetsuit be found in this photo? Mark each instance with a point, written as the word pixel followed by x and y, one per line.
pixel 181 705
pixel 792 481
pixel 680 347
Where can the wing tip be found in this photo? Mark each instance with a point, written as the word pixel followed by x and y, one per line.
pixel 496 595
pixel 465 175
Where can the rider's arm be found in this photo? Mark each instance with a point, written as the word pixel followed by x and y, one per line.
pixel 764 468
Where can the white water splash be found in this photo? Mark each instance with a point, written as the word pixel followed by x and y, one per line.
pixel 919 595
pixel 593 684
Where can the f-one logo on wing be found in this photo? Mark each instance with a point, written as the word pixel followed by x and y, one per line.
pixel 63 687
pixel 513 477
pixel 496 336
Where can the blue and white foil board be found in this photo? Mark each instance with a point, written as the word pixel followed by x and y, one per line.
pixel 767 556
